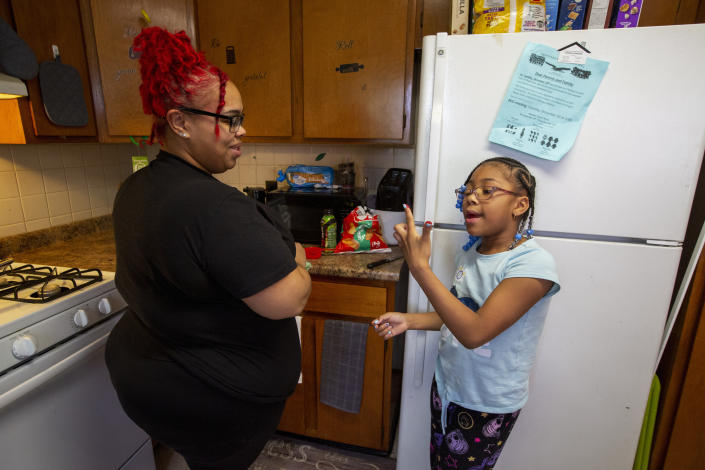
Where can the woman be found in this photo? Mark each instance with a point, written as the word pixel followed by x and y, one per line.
pixel 208 351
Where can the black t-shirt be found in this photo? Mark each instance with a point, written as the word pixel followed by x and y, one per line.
pixel 189 248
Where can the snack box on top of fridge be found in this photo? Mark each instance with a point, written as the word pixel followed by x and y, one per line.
pixel 571 14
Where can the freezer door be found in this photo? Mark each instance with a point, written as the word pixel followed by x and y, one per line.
pixel 633 168
pixel 595 361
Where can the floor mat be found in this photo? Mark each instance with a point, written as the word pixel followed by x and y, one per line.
pixel 286 453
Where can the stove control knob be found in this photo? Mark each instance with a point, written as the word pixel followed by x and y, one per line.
pixel 104 306
pixel 80 319
pixel 24 346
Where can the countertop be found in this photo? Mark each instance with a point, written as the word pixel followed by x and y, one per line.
pixel 91 244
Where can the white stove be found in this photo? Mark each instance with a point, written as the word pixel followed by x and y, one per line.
pixel 54 323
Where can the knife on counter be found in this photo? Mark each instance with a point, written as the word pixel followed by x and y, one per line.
pixel 374 264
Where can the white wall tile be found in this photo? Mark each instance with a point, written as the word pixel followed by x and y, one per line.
pixel 91 154
pixel 25 157
pixel 282 155
pixel 30 182
pixel 79 200
pixel 61 220
pixel 35 207
pixel 50 156
pixel 54 180
pixel 8 184
pixel 98 211
pixel 14 229
pixel 95 176
pixel 110 194
pixel 76 178
pixel 71 155
pixel 379 157
pixel 264 173
pixel 76 216
pixel 248 175
pixel 98 197
pixel 404 158
pixel 11 211
pixel 38 224
pixel 58 204
pixel 264 154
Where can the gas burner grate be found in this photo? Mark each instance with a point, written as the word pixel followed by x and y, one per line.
pixel 42 284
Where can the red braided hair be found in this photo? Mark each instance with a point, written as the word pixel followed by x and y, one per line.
pixel 173 74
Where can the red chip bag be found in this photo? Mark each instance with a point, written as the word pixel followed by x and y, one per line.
pixel 361 232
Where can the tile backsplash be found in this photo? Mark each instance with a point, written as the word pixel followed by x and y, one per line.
pixel 43 185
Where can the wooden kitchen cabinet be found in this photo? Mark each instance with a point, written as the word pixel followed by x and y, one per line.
pixel 41 24
pixel 252 44
pixel 109 29
pixel 287 73
pixel 351 300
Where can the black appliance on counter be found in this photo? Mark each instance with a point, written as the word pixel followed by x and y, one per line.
pixel 301 209
pixel 394 189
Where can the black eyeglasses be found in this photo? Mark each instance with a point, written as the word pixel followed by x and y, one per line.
pixel 234 121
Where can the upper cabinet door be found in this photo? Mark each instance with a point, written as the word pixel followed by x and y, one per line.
pixel 43 23
pixel 115 25
pixel 250 41
pixel 354 59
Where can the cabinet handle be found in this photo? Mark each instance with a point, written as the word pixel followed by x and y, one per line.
pixel 347 68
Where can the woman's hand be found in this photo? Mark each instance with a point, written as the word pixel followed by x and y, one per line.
pixel 416 249
pixel 390 324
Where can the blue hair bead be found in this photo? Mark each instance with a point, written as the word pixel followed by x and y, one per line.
pixel 530 232
pixel 471 241
pixel 517 237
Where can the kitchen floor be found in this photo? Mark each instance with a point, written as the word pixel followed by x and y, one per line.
pixel 288 453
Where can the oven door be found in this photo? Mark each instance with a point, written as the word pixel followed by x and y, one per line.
pixel 60 411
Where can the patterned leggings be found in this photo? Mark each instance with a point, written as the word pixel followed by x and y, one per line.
pixel 473 440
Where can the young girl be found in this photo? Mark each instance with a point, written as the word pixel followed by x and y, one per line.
pixel 490 320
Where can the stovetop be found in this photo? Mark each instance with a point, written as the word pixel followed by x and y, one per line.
pixel 30 293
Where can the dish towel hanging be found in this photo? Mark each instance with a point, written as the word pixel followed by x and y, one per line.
pixel 343 364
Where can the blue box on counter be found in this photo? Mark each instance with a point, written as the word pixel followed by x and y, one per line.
pixel 551 14
pixel 571 14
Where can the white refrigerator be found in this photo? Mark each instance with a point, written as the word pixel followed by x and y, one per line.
pixel 613 213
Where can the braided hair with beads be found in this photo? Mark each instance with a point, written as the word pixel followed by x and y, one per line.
pixel 173 74
pixel 524 179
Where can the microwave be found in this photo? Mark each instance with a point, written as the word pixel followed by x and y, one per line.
pixel 301 209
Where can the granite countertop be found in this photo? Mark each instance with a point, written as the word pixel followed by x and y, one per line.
pixel 91 244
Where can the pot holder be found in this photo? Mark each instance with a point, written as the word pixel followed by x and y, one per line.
pixel 62 93
pixel 16 57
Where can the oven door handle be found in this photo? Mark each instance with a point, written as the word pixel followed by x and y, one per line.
pixel 36 381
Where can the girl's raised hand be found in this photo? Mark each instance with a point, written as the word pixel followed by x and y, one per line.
pixel 416 248
pixel 390 324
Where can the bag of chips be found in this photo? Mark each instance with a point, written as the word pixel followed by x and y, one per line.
pixel 361 232
pixel 501 16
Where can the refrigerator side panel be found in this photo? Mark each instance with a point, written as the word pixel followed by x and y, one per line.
pixel 643 136
pixel 595 361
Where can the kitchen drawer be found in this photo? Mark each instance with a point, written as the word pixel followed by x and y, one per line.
pixel 347 299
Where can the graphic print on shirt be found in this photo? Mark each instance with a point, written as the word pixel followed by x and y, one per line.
pixel 469 302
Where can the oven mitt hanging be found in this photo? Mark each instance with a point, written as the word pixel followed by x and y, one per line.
pixel 16 57
pixel 62 93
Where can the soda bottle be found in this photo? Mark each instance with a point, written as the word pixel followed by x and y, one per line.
pixel 329 230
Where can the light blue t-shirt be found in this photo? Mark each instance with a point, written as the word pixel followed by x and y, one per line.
pixel 494 378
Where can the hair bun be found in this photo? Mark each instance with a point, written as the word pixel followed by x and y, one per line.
pixel 172 71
